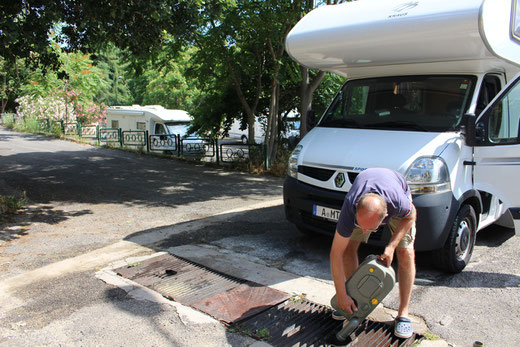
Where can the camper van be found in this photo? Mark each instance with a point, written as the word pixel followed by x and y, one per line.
pixel 156 119
pixel 431 92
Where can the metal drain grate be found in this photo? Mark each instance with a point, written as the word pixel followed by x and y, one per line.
pixel 222 296
pixel 304 323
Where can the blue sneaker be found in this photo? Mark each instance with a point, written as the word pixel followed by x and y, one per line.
pixel 403 327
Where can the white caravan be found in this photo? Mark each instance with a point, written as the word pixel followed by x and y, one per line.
pixel 155 119
pixel 421 98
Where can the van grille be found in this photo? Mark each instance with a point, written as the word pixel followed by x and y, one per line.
pixel 352 176
pixel 316 172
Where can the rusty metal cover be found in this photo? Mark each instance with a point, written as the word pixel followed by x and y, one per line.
pixel 241 302
pixel 222 296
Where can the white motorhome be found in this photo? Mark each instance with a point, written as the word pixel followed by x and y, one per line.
pixel 156 119
pixel 421 98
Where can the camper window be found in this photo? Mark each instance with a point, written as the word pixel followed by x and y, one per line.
pixel 515 20
pixel 141 126
pixel 115 124
pixel 421 103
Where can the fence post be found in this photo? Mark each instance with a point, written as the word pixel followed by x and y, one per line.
pixel 98 135
pixel 147 141
pixel 80 132
pixel 120 137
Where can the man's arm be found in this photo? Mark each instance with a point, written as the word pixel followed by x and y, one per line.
pixel 404 225
pixel 337 269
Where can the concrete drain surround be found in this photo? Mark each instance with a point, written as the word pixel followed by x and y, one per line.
pixel 223 297
pixel 259 311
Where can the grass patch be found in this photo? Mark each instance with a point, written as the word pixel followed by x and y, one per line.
pixel 11 203
pixel 263 334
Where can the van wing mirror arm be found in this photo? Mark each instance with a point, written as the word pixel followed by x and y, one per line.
pixel 469 130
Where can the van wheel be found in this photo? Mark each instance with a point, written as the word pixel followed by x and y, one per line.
pixel 457 250
pixel 244 139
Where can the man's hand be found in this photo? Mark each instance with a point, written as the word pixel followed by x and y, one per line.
pixel 387 257
pixel 346 303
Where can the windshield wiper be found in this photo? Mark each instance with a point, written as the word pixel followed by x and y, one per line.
pixel 399 125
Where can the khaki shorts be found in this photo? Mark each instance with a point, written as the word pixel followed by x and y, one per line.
pixel 406 242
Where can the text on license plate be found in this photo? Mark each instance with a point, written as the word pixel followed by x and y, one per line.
pixel 326 212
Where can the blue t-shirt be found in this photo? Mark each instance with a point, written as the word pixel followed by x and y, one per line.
pixel 385 182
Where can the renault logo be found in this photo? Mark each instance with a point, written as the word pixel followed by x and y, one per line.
pixel 339 181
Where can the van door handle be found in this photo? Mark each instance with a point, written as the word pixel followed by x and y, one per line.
pixel 470 162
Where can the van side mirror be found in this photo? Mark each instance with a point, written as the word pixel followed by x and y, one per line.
pixel 469 129
pixel 311 119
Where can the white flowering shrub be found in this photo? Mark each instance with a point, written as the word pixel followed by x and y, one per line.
pixel 51 107
pixel 43 113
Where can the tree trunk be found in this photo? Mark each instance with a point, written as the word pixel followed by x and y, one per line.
pixel 250 110
pixel 272 134
pixel 307 89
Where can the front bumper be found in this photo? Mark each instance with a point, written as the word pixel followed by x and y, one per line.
pixel 435 213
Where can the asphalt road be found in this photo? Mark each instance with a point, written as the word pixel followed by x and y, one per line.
pixel 92 206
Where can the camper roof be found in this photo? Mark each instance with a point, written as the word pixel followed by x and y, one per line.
pixel 155 110
pixel 375 37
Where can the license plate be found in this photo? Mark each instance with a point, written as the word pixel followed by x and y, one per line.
pixel 326 212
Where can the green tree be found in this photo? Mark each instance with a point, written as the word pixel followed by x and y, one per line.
pixel 114 90
pixel 169 85
pixel 137 26
pixel 228 57
pixel 12 76
pixel 79 74
pixel 310 80
pixel 243 45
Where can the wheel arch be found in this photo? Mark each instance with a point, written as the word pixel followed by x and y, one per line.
pixel 472 198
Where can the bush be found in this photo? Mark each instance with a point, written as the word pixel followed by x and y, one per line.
pixel 8 120
pixel 11 203
pixel 29 125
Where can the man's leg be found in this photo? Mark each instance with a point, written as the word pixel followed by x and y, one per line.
pixel 350 258
pixel 406 276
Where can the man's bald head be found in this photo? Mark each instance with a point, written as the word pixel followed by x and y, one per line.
pixel 372 203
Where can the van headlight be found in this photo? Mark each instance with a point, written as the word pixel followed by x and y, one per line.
pixel 428 175
pixel 292 167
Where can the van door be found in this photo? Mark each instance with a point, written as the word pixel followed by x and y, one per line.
pixel 497 154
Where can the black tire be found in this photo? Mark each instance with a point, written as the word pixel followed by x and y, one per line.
pixel 457 250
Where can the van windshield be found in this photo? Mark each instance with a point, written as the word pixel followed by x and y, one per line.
pixel 417 103
pixel 177 127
